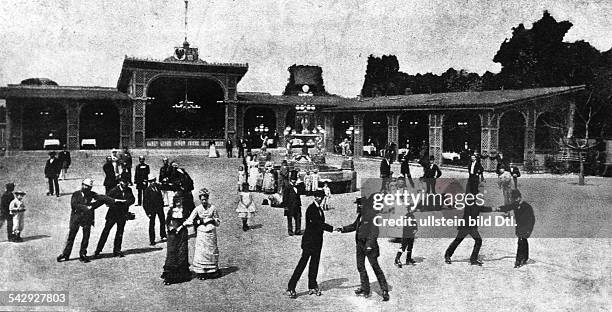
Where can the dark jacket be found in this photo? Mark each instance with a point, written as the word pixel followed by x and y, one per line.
pixel 524 218
pixel 385 169
pixel 365 230
pixel 119 211
pixel 291 202
pixel 5 201
pixel 82 208
pixel 126 160
pixel 140 176
pixel 478 169
pixel 110 179
pixel 52 169
pixel 470 212
pixel 405 168
pixel 515 171
pixel 312 238
pixel 228 144
pixel 431 171
pixel 64 158
pixel 153 201
pixel 164 173
pixel 502 163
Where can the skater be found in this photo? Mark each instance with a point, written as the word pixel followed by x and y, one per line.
pixel 525 220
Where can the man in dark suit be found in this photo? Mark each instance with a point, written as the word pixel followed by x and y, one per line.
pixel 83 203
pixel 475 175
pixel 366 236
pixel 525 220
pixel 405 170
pixel 470 212
pixel 293 206
pixel 126 163
pixel 516 173
pixel 229 146
pixel 501 163
pixel 385 172
pixel 110 177
pixel 153 204
pixel 312 242
pixel 5 201
pixel 140 177
pixel 165 173
pixel 117 214
pixel 52 172
pixel 431 172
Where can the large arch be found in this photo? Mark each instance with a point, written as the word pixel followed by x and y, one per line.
pixel 205 121
pixel 413 128
pixel 257 118
pixel 375 130
pixel 461 136
pixel 512 136
pixel 100 121
pixel 547 133
pixel 43 121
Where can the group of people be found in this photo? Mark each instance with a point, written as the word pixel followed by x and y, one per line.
pixel 56 168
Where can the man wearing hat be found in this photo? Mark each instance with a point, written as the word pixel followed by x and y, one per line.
pixel 366 236
pixel 83 202
pixel 140 177
pixel 117 214
pixel 312 242
pixel 293 206
pixel 153 204
pixel 5 201
pixel 53 168
pixel 110 177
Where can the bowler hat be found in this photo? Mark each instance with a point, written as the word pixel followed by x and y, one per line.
pixel 20 193
pixel 319 193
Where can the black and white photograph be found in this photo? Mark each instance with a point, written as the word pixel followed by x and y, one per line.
pixel 344 155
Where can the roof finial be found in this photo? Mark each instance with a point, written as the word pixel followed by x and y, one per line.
pixel 186 9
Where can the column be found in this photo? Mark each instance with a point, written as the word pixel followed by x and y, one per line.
pixel 436 122
pixel 138 115
pixel 530 127
pixel 328 124
pixel 230 121
pixel 72 115
pixel 358 134
pixel 125 123
pixel 392 128
pixel 489 137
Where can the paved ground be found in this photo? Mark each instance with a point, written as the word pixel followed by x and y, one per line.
pixel 565 274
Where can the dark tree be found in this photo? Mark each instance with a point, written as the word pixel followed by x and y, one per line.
pixel 300 75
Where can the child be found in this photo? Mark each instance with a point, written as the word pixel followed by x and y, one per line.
pixel 327 198
pixel 314 180
pixel 525 219
pixel 246 206
pixel 17 209
pixel 308 183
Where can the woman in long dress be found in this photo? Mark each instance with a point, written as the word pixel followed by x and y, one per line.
pixel 206 254
pixel 268 179
pixel 253 175
pixel 212 150
pixel 176 268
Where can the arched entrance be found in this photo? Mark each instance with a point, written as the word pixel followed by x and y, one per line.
pixel 185 108
pixel 259 122
pixel 413 134
pixel 461 137
pixel 375 133
pixel 512 136
pixel 43 121
pixel 547 134
pixel 99 121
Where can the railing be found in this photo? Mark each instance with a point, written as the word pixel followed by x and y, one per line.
pixel 183 143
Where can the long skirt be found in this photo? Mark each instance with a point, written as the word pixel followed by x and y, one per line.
pixel 268 183
pixel 206 253
pixel 176 268
pixel 212 152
